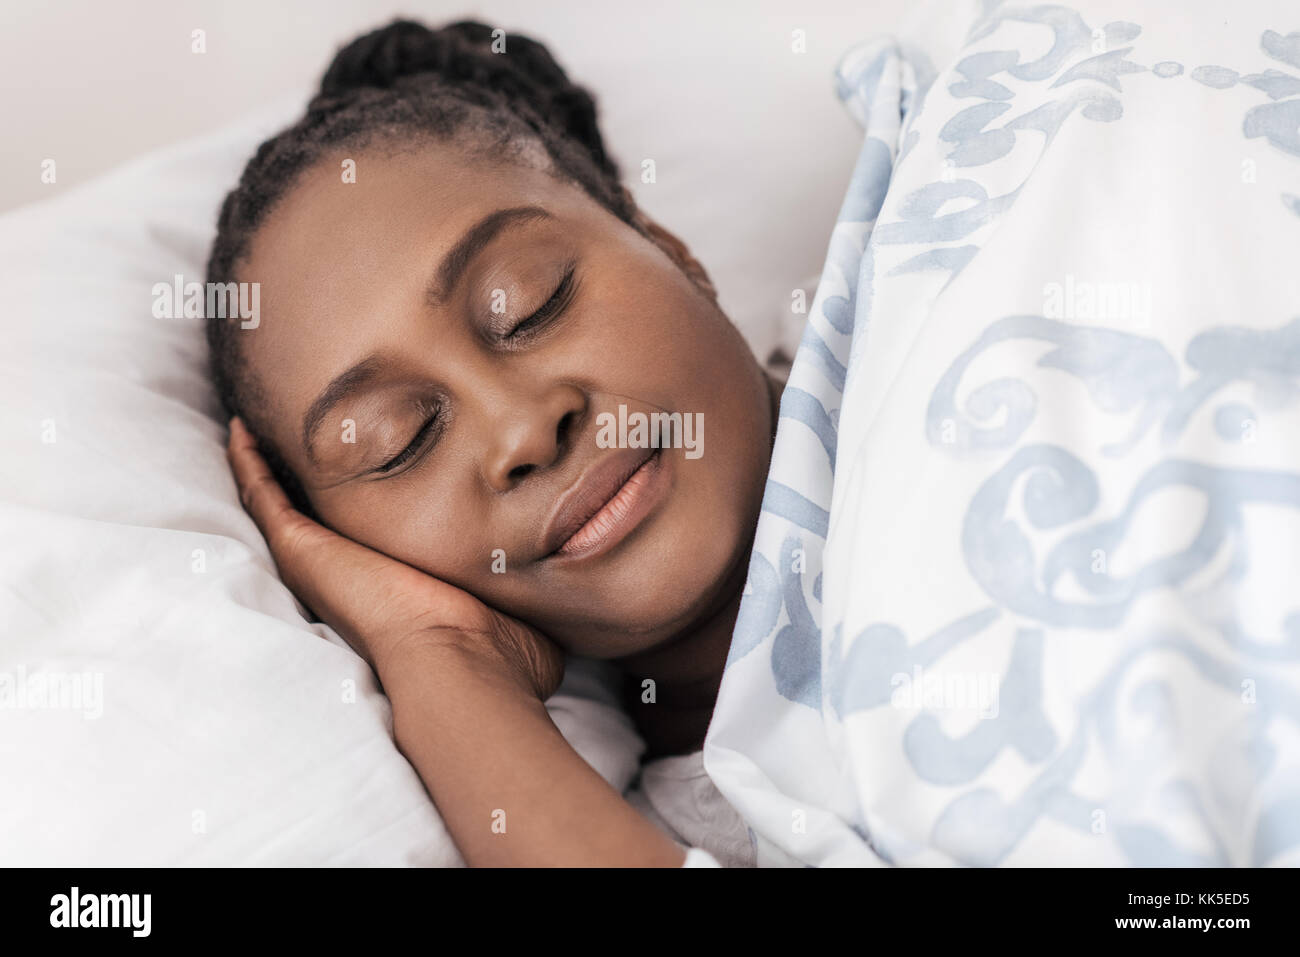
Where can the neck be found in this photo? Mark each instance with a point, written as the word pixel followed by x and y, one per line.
pixel 673 714
pixel 670 690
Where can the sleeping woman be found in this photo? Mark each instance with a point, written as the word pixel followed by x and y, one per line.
pixel 456 292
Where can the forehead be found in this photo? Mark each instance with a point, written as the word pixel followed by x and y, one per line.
pixel 338 224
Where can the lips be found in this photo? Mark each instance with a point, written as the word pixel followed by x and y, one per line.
pixel 606 504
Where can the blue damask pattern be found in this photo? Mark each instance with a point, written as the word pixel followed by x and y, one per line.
pixel 1039 520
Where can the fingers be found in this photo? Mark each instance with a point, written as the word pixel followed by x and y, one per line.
pixel 280 523
pixel 367 597
pixel 292 536
pixel 258 490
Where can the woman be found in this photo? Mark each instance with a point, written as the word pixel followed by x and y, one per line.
pixel 457 299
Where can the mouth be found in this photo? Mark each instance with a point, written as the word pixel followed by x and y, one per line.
pixel 606 504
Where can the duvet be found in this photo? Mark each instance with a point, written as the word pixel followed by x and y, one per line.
pixel 1026 587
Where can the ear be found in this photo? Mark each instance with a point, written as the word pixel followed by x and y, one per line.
pixel 677 252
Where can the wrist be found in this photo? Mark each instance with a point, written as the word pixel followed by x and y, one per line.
pixel 426 660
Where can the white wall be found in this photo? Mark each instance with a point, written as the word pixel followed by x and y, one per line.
pixel 90 83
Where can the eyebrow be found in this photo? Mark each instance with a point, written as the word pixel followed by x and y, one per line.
pixel 342 386
pixel 471 244
pixel 449 273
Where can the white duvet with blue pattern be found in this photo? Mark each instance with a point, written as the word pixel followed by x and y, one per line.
pixel 1026 587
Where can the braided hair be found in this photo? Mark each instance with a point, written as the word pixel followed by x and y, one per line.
pixel 396 84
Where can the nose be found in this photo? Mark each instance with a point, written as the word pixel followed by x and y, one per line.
pixel 532 433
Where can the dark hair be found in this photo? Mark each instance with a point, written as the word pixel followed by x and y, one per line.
pixel 400 82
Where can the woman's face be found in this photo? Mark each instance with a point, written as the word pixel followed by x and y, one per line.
pixel 441 342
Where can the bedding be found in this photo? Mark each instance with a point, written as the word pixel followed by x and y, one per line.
pixel 1024 589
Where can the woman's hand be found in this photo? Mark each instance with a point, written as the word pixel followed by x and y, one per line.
pixel 467 686
pixel 385 609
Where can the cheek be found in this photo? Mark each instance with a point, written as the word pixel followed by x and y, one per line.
pixel 651 334
pixel 426 521
pixel 689 358
pixel 660 341
pixel 435 525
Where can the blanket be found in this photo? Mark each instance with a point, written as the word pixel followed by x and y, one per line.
pixel 1024 589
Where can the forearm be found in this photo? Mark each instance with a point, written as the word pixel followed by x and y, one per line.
pixel 510 789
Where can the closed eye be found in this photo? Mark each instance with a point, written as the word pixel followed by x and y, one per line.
pixel 549 309
pixel 412 448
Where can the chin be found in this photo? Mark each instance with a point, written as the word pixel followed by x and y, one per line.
pixel 665 609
